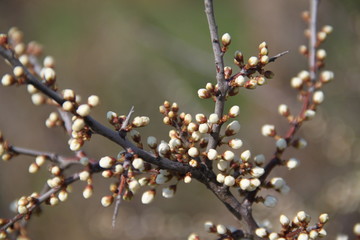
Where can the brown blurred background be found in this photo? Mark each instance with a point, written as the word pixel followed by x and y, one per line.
pixel 141 53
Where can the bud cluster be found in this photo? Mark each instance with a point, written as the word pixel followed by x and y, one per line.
pixel 5 153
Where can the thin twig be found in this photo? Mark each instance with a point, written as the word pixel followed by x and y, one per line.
pixel 272 59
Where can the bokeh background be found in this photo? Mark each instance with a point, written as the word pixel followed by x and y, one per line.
pixel 140 53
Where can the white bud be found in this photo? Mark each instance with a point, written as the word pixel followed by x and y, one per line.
pixel 222 165
pixel 93 101
pixel 234 111
pixel 246 155
pixel 208 226
pixel 253 61
pixel 254 183
pixel 68 94
pixel 303 216
pixel 187 179
pixel 261 232
pixel 203 93
pixel 83 110
pixel 283 110
pixel 67 106
pixel 63 195
pixel 270 201
pixel 192 127
pixel 277 182
pixel 213 118
pixel 78 124
pixel 229 181
pixel 318 97
pixel 221 229
pixel 356 229
pixel 161 179
pixel 244 184
pixel 239 81
pixel 88 192
pixel 284 220
pixel 119 169
pixel 163 149
pixel 324 218
pixel 151 141
pixel 174 143
pixel 296 82
pixel 138 163
pixel 338 237
pixel 257 172
pixel 226 39
pixel 268 130
pixel 228 155
pixel 273 236
pixel 106 162
pixel 48 74
pixel 313 234
pixel 281 144
pixel 304 75
pixel 326 76
pixel 264 59
pixel 321 54
pixel 84 176
pixel 292 163
pixel 259 159
pixel 7 80
pixel 168 192
pixel 309 114
pixel 107 201
pixel 148 197
pixel 75 145
pixel 33 168
pixel 204 128
pixel 212 154
pixel 193 152
pixel 193 236
pixel 220 178
pixel 235 143
pixel 134 185
pixel 303 236
pixel 233 128
pixel 22 209
pixel 37 99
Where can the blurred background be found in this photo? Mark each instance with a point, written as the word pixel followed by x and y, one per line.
pixel 140 53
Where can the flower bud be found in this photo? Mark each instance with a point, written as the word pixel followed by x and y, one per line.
pixel 239 81
pixel 212 154
pixel 229 181
pixel 244 184
pixel 356 229
pixel 213 118
pixel 148 196
pixel 88 191
pixel 106 201
pixel 292 163
pixel 49 62
pixel 18 71
pixel 222 165
pixel 296 82
pixel 93 101
pixel 303 236
pixel 283 110
pixel 253 61
pixel 83 110
pixel 235 143
pixel 134 185
pixel 309 114
pixel 226 39
pixel 106 162
pixel 268 130
pixel 228 155
pixel 84 176
pixel 261 232
pixel 204 128
pixel 270 201
pixel 245 156
pixel 78 124
pixel 324 218
pixel 257 172
pixel 163 149
pixel 321 54
pixel 234 111
pixel 259 159
pixel 318 97
pixel 220 178
pixel 284 220
pixel 203 93
pixel 33 168
pixel 7 80
pixel 63 195
pixel 264 60
pixel 151 141
pixel 233 128
pixel 281 144
pixel 38 99
pixel 326 76
pixel 138 163
pixel 277 182
pixel 169 192
pixel 221 229
pixel 48 74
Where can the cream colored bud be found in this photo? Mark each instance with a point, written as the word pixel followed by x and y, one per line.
pixel 163 149
pixel 303 236
pixel 22 209
pixel 244 184
pixel 55 170
pixel 281 144
pixel 107 174
pixel 262 45
pixel 187 179
pixel 321 54
pixel 270 201
pixel 246 155
pixel 264 60
pixel 193 236
pixel 220 178
pixel 228 155
pixel 309 114
pixel 196 136
pixel 303 49
pixel 138 163
pixel 168 192
pixel 318 97
pixel 356 229
pixel 152 142
pixel 119 169
pixel 222 165
pixel 284 220
pixel 75 145
pixel 313 234
pixel 229 181
pixel 68 106
pixel 49 62
pixel 283 110
pixel 31 89
pixel 54 201
pixel 277 182
pixel 83 110
pixel 7 80
pixel 322 233
pixel 268 130
pixel 106 162
pixel 134 185
pixel 253 61
pixel 235 143
pixel 93 101
pixel 33 168
pixel 148 197
pixel 273 236
pixel 38 99
pixel 321 36
pixel 203 93
pixel 88 192
pixel 204 128
pixel 233 128
pixel 327 29
pixel 226 39
pixel 239 81
pixel 213 118
pixel 254 183
pixel 304 75
pixel 18 71
pixel 221 229
pixel 63 195
pixel 296 82
pixel 78 124
pixel 326 76
pixel 303 217
pixel 257 172
pixel 193 152
pixel 210 87
pixel 292 163
pixel 192 127
pixel 209 226
pixel 174 143
pixel 200 118
pixel 324 218
pixel 261 232
pixel 106 201
pixel 264 51
pixel 234 111
pixel 48 74
pixel 40 160
pixel 84 176
pixel 212 154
